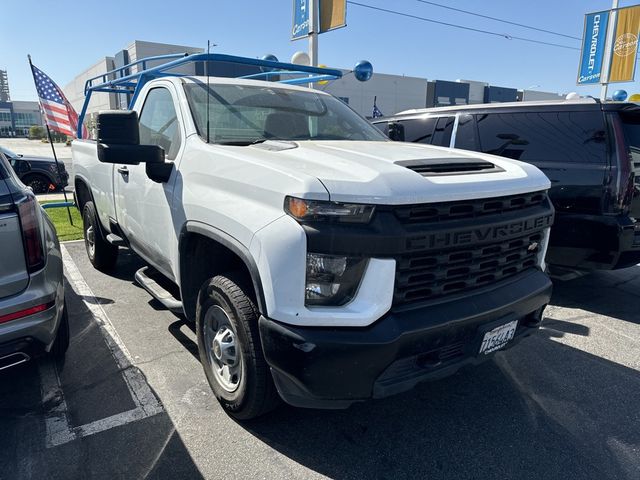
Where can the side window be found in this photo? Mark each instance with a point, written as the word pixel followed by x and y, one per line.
pixel 567 137
pixel 467 135
pixel 444 129
pixel 419 130
pixel 159 122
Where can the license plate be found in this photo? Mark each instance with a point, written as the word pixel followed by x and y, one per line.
pixel 498 337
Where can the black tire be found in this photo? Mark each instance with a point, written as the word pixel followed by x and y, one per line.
pixel 61 343
pixel 255 394
pixel 102 255
pixel 38 182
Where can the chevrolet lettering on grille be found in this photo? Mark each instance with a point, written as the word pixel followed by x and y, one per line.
pixel 479 235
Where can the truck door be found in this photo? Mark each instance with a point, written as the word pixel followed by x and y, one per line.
pixel 145 208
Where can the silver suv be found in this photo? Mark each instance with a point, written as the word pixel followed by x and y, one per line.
pixel 33 319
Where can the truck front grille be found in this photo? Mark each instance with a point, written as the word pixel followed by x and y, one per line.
pixel 432 265
pixel 438 212
pixel 424 276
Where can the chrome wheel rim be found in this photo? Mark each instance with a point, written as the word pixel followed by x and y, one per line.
pixel 90 239
pixel 222 350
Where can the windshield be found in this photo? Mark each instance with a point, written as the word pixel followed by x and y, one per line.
pixel 242 115
pixel 8 152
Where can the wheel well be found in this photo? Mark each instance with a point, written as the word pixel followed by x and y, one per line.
pixel 83 195
pixel 37 174
pixel 202 258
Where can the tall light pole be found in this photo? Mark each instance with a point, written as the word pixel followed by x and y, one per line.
pixel 314 26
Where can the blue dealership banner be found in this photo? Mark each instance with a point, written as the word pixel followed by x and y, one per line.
pixel 593 44
pixel 301 19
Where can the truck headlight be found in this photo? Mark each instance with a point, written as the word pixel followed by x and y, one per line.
pixel 332 280
pixel 319 210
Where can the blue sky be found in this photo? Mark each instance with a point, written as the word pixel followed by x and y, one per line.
pixel 83 32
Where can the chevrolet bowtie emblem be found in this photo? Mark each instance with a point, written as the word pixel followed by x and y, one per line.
pixel 532 247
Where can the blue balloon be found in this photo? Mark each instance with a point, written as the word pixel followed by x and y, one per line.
pixel 363 70
pixel 270 57
pixel 619 95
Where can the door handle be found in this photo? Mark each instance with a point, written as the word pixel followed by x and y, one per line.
pixel 123 170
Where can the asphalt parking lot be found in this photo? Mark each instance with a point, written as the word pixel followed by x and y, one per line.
pixel 131 401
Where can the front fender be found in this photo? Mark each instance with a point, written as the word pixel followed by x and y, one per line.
pixel 237 248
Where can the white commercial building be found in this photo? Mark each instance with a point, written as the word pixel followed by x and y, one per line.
pixel 16 116
pixel 537 95
pixel 392 93
pixel 476 90
pixel 137 50
pixel 74 91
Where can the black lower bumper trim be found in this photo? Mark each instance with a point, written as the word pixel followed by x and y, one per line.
pixel 335 367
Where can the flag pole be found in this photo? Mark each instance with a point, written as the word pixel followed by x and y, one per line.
pixel 53 149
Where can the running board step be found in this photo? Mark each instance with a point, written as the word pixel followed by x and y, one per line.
pixel 114 239
pixel 157 291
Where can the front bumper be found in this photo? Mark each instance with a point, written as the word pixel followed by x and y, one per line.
pixel 335 367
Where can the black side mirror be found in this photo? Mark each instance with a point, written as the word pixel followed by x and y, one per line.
pixel 396 132
pixel 119 140
pixel 159 172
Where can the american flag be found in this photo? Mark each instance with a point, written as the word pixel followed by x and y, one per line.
pixel 58 112
pixel 376 111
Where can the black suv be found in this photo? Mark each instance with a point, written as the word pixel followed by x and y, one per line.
pixel 589 150
pixel 39 173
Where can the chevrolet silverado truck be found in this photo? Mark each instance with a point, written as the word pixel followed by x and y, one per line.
pixel 321 263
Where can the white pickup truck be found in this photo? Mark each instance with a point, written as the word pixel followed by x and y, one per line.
pixel 321 263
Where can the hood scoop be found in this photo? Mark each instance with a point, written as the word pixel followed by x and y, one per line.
pixel 276 145
pixel 449 166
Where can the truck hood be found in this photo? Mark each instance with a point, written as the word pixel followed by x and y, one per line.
pixel 368 172
pixel 36 158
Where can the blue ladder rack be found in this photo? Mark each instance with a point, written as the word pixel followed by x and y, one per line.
pixel 132 83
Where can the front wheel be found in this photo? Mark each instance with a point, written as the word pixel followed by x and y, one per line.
pixel 230 349
pixel 102 254
pixel 38 183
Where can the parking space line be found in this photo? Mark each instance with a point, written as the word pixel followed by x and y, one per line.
pixel 57 424
pixel 56 420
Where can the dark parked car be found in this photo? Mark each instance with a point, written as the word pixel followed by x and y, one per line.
pixel 589 150
pixel 33 318
pixel 39 173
